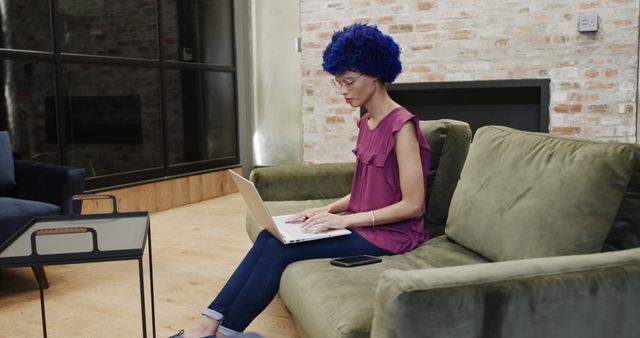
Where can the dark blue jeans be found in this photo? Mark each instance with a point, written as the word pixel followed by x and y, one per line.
pixel 256 280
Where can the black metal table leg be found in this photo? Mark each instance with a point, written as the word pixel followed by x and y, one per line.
pixel 142 307
pixel 153 306
pixel 44 321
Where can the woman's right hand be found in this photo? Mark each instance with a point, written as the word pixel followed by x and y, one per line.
pixel 304 215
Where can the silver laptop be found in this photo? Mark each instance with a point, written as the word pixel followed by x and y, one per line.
pixel 287 232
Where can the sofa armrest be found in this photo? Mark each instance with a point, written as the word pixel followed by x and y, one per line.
pixel 303 181
pixel 594 295
pixel 51 183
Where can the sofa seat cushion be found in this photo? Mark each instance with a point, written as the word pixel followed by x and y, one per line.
pixel 17 212
pixel 329 301
pixel 315 291
pixel 524 195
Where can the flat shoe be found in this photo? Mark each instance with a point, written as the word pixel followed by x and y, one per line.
pixel 179 335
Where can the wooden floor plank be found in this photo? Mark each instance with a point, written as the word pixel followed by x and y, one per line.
pixel 195 249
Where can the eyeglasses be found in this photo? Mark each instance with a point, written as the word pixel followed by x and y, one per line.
pixel 346 83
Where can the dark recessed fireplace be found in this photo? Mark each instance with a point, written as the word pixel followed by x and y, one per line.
pixel 97 119
pixel 519 104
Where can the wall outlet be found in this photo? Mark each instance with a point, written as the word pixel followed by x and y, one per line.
pixel 187 54
pixel 588 23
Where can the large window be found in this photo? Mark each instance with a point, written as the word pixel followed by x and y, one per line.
pixel 130 90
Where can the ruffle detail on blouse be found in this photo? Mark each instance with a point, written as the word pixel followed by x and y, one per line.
pixel 369 158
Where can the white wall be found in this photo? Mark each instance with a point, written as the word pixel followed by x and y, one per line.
pixel 277 78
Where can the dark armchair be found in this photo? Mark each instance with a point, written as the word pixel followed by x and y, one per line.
pixel 29 189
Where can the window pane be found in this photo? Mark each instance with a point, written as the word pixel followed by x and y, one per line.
pixel 113 120
pixel 198 31
pixel 25 24
pixel 113 28
pixel 26 86
pixel 200 116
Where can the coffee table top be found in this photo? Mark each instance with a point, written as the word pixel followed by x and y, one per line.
pixel 118 236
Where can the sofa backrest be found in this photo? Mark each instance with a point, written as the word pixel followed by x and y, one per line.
pixel 625 230
pixel 524 195
pixel 449 142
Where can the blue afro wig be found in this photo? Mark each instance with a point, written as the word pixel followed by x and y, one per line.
pixel 363 49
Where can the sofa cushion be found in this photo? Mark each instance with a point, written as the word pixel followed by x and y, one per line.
pixel 7 175
pixel 17 212
pixel 524 195
pixel 300 281
pixel 449 141
pixel 328 301
pixel 625 231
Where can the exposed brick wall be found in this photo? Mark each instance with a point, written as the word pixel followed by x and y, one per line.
pixel 593 76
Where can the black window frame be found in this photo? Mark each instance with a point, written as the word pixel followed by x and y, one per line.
pixel 58 58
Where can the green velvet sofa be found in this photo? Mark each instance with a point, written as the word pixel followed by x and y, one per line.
pixel 533 235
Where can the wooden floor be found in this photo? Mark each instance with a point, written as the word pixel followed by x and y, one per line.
pixel 195 249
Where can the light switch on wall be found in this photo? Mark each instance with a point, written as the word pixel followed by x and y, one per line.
pixel 588 23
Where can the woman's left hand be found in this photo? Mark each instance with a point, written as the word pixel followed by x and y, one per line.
pixel 324 221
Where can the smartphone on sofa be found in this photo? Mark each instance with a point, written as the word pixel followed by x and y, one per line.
pixel 351 261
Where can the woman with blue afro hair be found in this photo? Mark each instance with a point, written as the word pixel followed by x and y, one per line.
pixel 364 49
pixel 384 213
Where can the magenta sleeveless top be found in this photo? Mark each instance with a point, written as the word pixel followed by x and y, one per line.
pixel 376 181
